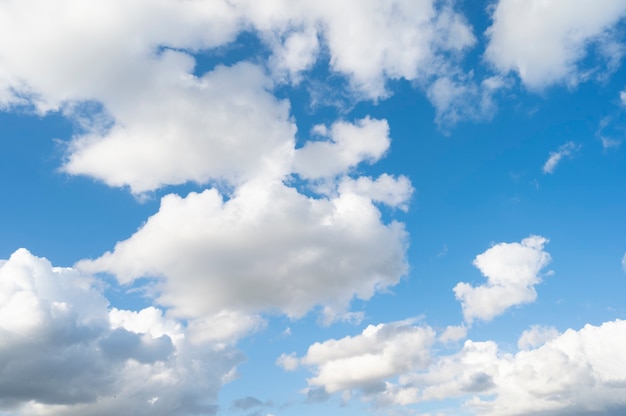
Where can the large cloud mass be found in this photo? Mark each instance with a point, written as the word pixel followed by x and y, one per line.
pixel 63 352
pixel 268 248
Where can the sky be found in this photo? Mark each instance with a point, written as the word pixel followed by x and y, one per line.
pixel 305 207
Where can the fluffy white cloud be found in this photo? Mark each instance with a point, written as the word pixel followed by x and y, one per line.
pixel 268 248
pixel 536 336
pixel 367 41
pixel 453 333
pixel 364 361
pixel 159 124
pixel 224 125
pixel 564 151
pixel 289 362
pixel 577 372
pixel 512 271
pixel 346 145
pixel 544 41
pixel 391 191
pixel 63 352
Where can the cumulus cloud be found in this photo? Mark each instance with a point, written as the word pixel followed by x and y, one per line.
pixel 288 362
pixel 346 146
pixel 63 352
pixel 576 372
pixel 453 333
pixel 164 124
pixel 367 41
pixel 268 248
pixel 544 42
pixel 391 191
pixel 222 126
pixel 512 270
pixel 536 336
pixel 364 361
pixel 564 151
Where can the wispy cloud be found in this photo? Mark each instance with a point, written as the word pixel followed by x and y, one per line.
pixel 565 151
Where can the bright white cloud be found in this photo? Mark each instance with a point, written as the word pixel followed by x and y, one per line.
pixel 268 248
pixel 289 362
pixel 367 41
pixel 564 151
pixel 453 333
pixel 544 41
pixel 386 189
pixel 225 125
pixel 346 146
pixel 366 360
pixel 62 352
pixel 512 270
pixel 577 372
pixel 159 124
pixel 536 336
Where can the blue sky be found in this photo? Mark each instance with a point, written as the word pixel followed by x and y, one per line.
pixel 304 207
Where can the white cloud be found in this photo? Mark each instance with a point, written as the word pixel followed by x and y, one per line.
pixel 577 372
pixel 566 150
pixel 453 333
pixel 457 98
pixel 346 146
pixel 536 336
pixel 268 248
pixel 63 352
pixel 391 191
pixel 225 125
pixel 289 362
pixel 364 361
pixel 545 41
pixel 512 271
pixel 608 143
pixel 367 41
pixel 622 97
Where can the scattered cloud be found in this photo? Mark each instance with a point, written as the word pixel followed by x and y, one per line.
pixel 545 42
pixel 512 270
pixel 564 151
pixel 608 143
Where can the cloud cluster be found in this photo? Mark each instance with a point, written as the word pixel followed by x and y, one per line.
pixel 512 270
pixel 64 352
pixel 575 372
